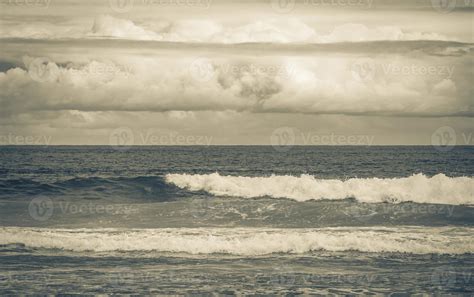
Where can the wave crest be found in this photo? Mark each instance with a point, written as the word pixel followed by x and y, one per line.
pixel 247 241
pixel 416 188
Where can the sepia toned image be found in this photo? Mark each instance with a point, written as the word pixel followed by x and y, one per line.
pixel 235 148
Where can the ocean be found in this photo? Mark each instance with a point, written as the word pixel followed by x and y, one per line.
pixel 236 220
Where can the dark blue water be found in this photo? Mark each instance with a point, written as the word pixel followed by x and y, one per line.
pixel 50 163
pixel 236 220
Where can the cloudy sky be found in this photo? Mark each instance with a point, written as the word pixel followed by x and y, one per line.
pixel 227 72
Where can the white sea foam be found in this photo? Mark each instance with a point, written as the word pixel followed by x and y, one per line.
pixel 247 241
pixel 417 188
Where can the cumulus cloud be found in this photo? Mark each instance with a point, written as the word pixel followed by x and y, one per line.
pixel 289 30
pixel 268 31
pixel 359 32
pixel 77 72
pixel 279 84
pixel 108 26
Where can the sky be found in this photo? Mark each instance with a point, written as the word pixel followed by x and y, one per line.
pixel 203 72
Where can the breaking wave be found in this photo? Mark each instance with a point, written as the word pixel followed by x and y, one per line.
pixel 416 188
pixel 247 241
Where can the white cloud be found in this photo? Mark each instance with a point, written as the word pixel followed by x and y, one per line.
pixel 359 32
pixel 105 70
pixel 445 87
pixel 278 84
pixel 268 30
pixel 108 26
pixel 288 30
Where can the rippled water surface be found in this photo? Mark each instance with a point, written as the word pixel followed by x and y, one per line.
pixel 236 220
